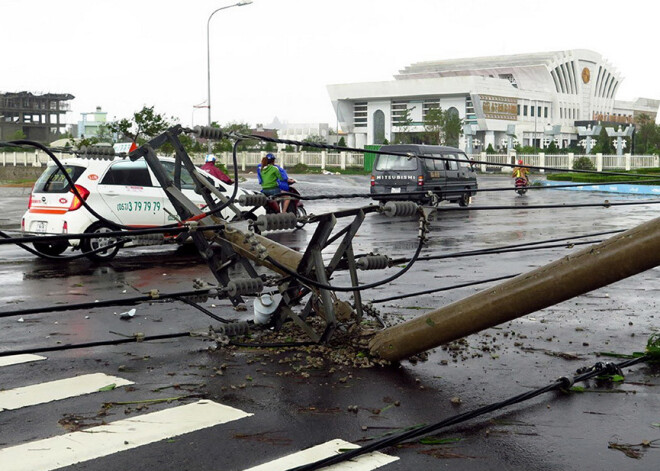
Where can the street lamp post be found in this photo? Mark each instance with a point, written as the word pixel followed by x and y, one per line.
pixel 208 57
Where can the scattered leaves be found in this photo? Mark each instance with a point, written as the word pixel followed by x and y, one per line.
pixel 438 441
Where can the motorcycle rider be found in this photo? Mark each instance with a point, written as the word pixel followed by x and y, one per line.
pixel 520 172
pixel 282 182
pixel 210 168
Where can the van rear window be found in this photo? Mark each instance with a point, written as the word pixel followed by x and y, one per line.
pixel 54 181
pixel 396 162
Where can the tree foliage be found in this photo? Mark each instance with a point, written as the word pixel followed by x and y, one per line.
pixel 142 126
pixel 404 123
pixel 552 148
pixel 313 139
pixel 453 129
pixel 603 143
pixel 442 127
pixel 647 136
pixel 434 122
pixel 227 145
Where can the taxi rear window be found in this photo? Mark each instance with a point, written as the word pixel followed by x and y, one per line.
pixel 128 173
pixel 54 181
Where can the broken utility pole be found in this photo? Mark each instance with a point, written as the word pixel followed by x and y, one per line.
pixel 619 257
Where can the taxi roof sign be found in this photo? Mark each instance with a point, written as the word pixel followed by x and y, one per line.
pixel 124 147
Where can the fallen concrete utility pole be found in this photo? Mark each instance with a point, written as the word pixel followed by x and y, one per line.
pixel 619 257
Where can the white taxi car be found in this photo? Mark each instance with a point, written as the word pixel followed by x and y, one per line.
pixel 120 190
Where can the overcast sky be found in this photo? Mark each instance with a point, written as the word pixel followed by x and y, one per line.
pixel 274 58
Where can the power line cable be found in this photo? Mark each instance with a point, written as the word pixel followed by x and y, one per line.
pixel 564 383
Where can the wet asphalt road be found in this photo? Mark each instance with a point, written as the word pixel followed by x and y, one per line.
pixel 295 407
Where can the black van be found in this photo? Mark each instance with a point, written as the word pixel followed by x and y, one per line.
pixel 452 180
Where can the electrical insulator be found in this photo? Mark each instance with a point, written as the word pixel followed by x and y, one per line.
pixel 373 262
pixel 148 239
pixel 198 283
pixel 274 222
pixel 244 286
pixel 97 152
pixel 233 328
pixel 198 298
pixel 207 132
pixel 400 208
pixel 257 199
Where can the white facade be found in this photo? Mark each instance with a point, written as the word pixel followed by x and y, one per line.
pixel 90 122
pixel 543 95
pixel 301 131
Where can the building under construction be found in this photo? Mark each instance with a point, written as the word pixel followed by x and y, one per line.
pixel 39 117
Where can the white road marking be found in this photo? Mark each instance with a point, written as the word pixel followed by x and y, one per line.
pixel 104 440
pixel 57 390
pixel 16 359
pixel 365 462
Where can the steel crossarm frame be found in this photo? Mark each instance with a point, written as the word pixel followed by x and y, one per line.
pixel 220 260
pixel 225 247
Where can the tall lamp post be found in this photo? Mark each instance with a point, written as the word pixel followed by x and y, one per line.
pixel 208 57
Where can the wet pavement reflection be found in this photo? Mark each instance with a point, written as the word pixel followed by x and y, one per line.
pixel 298 405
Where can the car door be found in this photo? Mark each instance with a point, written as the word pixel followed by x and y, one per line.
pixel 435 174
pixel 465 170
pixel 452 174
pixel 187 187
pixel 129 191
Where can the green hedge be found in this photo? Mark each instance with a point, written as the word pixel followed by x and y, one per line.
pixel 601 178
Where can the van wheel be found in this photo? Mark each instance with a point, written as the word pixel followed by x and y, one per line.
pixel 88 245
pixel 52 249
pixel 464 200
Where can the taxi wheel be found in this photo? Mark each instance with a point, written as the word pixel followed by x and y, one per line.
pixel 53 249
pixel 88 245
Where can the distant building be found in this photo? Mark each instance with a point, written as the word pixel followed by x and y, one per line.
pixel 536 98
pixel 90 122
pixel 260 130
pixel 39 117
pixel 264 132
pixel 302 131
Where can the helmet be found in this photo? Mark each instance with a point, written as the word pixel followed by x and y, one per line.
pixel 270 156
pixel 210 158
pixel 520 162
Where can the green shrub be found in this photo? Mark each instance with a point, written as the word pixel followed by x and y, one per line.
pixel 595 177
pixel 583 163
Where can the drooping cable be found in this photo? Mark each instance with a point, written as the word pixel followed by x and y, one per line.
pixel 316 284
pixel 414 432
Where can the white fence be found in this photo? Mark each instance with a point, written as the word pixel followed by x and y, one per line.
pixel 490 162
pixel 250 160
pixel 493 162
pixel 246 160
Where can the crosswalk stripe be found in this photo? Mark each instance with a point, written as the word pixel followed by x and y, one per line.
pixel 16 359
pixel 57 390
pixel 104 440
pixel 365 462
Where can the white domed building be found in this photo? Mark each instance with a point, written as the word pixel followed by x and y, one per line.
pixel 532 97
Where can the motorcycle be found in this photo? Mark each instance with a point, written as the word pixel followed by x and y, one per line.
pixel 274 205
pixel 521 185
